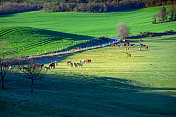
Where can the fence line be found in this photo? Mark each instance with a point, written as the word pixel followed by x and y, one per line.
pixel 77 50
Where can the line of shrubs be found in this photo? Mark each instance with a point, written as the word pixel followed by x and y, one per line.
pixel 151 34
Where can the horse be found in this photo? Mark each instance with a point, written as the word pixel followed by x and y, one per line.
pixel 82 61
pixel 127 48
pixel 88 60
pixel 146 47
pixel 112 44
pixel 80 64
pixel 128 55
pixel 68 62
pixel 5 66
pixel 40 66
pixel 52 65
pixel 71 64
pixel 141 44
pixel 56 62
pixel 47 68
pixel 132 45
pixel 34 65
pixel 75 64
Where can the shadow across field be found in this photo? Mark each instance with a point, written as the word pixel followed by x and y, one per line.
pixel 89 95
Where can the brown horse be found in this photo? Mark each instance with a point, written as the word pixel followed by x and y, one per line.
pixel 88 60
pixel 128 55
pixel 40 65
pixel 71 64
pixel 146 47
pixel 5 66
pixel 52 65
pixel 112 44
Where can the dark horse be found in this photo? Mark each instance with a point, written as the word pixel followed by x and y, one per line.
pixel 52 65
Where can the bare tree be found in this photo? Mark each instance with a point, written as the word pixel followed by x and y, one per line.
pixel 4 66
pixel 172 12
pixel 32 72
pixel 123 30
pixel 162 15
pixel 154 19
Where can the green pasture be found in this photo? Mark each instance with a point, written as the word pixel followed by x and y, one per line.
pixel 112 85
pixel 36 32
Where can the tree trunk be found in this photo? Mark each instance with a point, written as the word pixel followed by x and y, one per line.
pixel 2 79
pixel 32 86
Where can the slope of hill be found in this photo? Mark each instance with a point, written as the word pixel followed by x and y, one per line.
pixel 113 84
pixel 51 30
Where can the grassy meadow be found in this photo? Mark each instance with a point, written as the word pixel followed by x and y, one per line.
pixel 113 84
pixel 40 32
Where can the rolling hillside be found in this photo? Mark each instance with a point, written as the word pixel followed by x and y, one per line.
pixel 111 85
pixel 50 31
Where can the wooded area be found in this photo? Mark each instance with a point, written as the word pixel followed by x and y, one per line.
pixel 15 6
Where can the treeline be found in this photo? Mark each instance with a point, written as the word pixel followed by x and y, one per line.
pixel 12 6
pixel 164 16
pixel 15 7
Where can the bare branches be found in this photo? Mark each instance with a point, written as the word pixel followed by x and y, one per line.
pixel 32 72
pixel 123 30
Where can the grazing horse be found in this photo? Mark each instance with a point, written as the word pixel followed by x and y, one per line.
pixel 128 55
pixel 71 64
pixel 47 68
pixel 127 48
pixel 52 65
pixel 56 62
pixel 40 66
pixel 146 47
pixel 5 66
pixel 132 45
pixel 80 64
pixel 68 62
pixel 141 44
pixel 112 44
pixel 82 61
pixel 88 60
pixel 34 65
pixel 75 64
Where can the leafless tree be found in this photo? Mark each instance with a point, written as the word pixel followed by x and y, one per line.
pixel 32 72
pixel 162 15
pixel 123 30
pixel 154 19
pixel 5 67
pixel 172 12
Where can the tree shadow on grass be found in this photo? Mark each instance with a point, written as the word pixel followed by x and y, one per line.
pixel 95 96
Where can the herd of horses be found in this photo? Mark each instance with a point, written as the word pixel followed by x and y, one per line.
pixel 127 46
pixel 52 65
pixel 37 65
pixel 80 64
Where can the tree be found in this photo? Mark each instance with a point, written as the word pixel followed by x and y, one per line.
pixel 154 19
pixel 172 12
pixel 32 72
pixel 123 30
pixel 5 67
pixel 162 14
